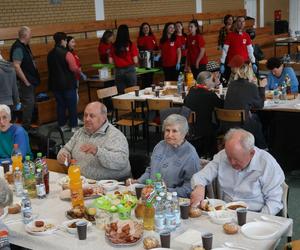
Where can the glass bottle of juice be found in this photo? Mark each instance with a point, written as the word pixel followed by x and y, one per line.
pixel 16 158
pixel 75 184
pixel 149 216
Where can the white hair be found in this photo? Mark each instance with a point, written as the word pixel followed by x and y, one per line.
pixel 246 139
pixel 205 77
pixel 176 119
pixel 6 194
pixel 23 31
pixel 4 108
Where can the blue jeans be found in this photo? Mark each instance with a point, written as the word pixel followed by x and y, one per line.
pixel 66 100
pixel 124 78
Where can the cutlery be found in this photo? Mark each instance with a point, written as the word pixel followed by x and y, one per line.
pixel 264 218
pixel 231 245
pixel 12 221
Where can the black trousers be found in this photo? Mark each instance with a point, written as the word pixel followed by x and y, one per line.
pixel 27 99
pixel 171 74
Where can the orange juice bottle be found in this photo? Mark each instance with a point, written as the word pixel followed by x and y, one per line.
pixel 189 79
pixel 16 158
pixel 75 184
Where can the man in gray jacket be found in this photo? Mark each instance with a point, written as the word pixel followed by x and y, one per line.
pixel 100 149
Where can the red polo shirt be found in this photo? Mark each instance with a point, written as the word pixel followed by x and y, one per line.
pixel 104 50
pixel 194 45
pixel 237 45
pixel 147 42
pixel 169 52
pixel 126 58
pixel 182 40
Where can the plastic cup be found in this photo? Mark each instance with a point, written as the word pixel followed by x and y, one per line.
pixel 165 239
pixel 138 191
pixel 5 165
pixel 1 172
pixel 207 240
pixel 184 210
pixel 153 87
pixel 81 229
pixel 137 92
pixel 183 94
pixel 156 93
pixel 241 214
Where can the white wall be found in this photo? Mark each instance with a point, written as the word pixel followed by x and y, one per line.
pixel 294 19
pixel 99 9
pixel 250 6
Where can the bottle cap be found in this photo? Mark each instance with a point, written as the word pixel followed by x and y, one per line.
pixel 39 155
pixel 73 161
pixel 174 193
pixel 39 170
pixel 17 169
pixel 27 157
pixel 148 181
pixel 158 175
pixel 169 197
pixel 162 194
pixel 158 198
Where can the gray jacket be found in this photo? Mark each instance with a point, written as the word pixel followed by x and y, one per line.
pixel 9 94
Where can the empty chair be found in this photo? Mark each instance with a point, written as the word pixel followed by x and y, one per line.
pixel 104 95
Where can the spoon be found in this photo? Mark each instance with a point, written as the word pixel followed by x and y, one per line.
pixel 231 245
pixel 264 218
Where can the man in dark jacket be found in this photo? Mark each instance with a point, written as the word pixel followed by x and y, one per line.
pixel 27 73
pixel 61 80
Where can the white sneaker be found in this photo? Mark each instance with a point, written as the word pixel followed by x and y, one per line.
pixel 65 128
pixel 73 130
pixel 80 122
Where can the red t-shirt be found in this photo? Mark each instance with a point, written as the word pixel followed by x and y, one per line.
pixel 126 58
pixel 77 61
pixel 237 45
pixel 147 42
pixel 182 40
pixel 194 45
pixel 169 52
pixel 104 50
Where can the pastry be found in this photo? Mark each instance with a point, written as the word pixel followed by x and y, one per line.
pixel 39 223
pixel 197 248
pixel 194 212
pixel 150 242
pixel 14 209
pixel 230 228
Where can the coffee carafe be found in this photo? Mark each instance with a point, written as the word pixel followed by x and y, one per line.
pixel 146 59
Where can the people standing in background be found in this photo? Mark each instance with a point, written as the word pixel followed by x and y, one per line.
pixel 146 39
pixel 237 42
pixel 182 37
pixel 228 21
pixel 170 52
pixel 258 53
pixel 27 73
pixel 104 46
pixel 71 47
pixel 124 55
pixel 196 59
pixel 62 69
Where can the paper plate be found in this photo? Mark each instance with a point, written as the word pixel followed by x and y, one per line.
pixel 260 230
pixel 29 228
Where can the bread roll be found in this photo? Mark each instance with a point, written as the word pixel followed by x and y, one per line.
pixel 194 212
pixel 230 228
pixel 14 209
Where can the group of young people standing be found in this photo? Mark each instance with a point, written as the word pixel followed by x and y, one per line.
pixel 176 51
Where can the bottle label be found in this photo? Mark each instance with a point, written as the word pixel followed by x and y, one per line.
pixel 40 190
pixel 170 222
pixel 159 222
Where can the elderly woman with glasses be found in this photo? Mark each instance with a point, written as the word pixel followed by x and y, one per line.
pixel 174 158
pixel 11 134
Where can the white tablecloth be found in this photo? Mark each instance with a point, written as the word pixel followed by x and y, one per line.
pixel 283 105
pixel 53 208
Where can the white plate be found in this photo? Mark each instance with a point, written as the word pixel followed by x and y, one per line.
pixel 221 217
pixel 161 248
pixel 214 202
pixel 260 230
pixel 29 227
pixel 74 230
pixel 108 185
pixel 5 212
pixel 242 203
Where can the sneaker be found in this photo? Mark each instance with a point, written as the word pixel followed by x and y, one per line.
pixel 80 122
pixel 65 128
pixel 73 130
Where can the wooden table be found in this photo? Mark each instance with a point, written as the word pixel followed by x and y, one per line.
pixel 285 42
pixel 54 208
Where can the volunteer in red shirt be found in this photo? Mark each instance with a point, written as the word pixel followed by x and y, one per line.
pixel 124 54
pixel 182 37
pixel 237 42
pixel 104 46
pixel 170 53
pixel 196 56
pixel 146 39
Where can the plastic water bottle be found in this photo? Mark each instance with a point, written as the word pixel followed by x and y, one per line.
pixel 162 196
pixel 18 182
pixel 176 208
pixel 29 177
pixel 40 186
pixel 159 184
pixel 170 216
pixel 180 83
pixel 159 217
pixel 26 208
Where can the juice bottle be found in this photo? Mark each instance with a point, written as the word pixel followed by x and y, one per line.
pixel 16 158
pixel 75 184
pixel 149 216
pixel 189 79
pixel 29 177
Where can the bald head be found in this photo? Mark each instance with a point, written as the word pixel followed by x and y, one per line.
pixel 239 147
pixel 95 115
